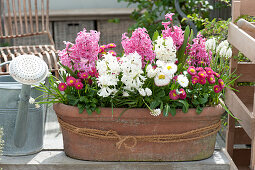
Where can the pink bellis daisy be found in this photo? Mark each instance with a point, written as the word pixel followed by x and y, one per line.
pixel 62 86
pixel 194 79
pixel 71 81
pixel 221 83
pixel 217 89
pixel 78 85
pixel 192 70
pixel 211 79
pixel 111 45
pixel 183 94
pixel 173 95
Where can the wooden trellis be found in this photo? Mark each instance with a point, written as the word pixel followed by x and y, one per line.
pixel 241 104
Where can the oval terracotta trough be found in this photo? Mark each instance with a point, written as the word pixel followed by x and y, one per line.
pixel 137 122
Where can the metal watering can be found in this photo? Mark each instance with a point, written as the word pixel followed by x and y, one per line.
pixel 27 70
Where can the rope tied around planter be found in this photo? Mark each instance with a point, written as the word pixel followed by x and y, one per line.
pixel 122 139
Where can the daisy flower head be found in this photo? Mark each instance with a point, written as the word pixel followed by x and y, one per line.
pixel 221 83
pixel 217 89
pixel 194 79
pixel 192 70
pixel 173 95
pixel 155 112
pixel 161 79
pixel 70 81
pixel 202 74
pixel 209 71
pixel 202 81
pixel 182 94
pixel 170 69
pixel 62 86
pixel 112 52
pixel 183 80
pixel 216 74
pixel 84 75
pixel 211 79
pixel 78 85
pixel 111 45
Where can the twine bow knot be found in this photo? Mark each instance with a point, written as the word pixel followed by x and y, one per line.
pixel 123 140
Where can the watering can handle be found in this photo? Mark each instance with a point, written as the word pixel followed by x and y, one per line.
pixel 7 62
pixel 20 131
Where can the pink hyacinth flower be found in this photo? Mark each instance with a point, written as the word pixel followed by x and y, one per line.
pixel 173 95
pixel 183 94
pixel 71 81
pixel 78 85
pixel 192 70
pixel 221 83
pixel 217 89
pixel 62 86
pixel 202 81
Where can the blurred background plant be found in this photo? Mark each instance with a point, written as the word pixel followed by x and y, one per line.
pixel 150 13
pixel 1 141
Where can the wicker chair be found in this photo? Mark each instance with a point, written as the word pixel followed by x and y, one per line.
pixel 19 24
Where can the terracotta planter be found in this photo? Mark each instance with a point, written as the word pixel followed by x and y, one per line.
pixel 137 122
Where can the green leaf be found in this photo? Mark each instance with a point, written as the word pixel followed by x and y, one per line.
pixel 185 107
pixel 160 94
pixel 195 102
pixel 202 100
pixel 199 109
pixel 68 70
pixel 191 36
pixel 173 111
pixel 89 111
pixel 155 35
pixel 98 111
pixel 166 110
pixel 81 108
pixel 180 55
pixel 154 104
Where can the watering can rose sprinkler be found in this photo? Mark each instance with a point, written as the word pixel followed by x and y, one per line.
pixel 27 70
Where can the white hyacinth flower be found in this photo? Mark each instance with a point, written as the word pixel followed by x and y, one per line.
pixel 31 100
pixel 169 69
pixel 148 91
pixel 37 106
pixel 228 53
pixel 161 79
pixel 222 44
pixel 125 94
pixel 210 44
pixel 155 112
pixel 223 51
pixel 142 92
pixel 106 91
pixel 183 80
pixel 165 49
pixel 150 71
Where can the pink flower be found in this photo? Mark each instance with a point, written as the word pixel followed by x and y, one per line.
pixel 102 48
pixel 71 81
pixel 84 75
pixel 194 79
pixel 211 79
pixel 217 89
pixel 183 94
pixel 111 45
pixel 169 16
pixel 202 74
pixel 118 58
pixel 62 86
pixel 198 52
pixel 209 71
pixel 221 83
pixel 202 81
pixel 192 70
pixel 216 74
pixel 112 52
pixel 173 95
pixel 141 43
pixel 200 69
pixel 78 85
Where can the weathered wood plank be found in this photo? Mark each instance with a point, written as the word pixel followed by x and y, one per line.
pixel 242 156
pixel 241 136
pixel 242 41
pixel 246 70
pixel 238 108
pixel 247 7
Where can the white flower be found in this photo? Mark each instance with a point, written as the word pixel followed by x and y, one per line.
pixel 155 112
pixel 222 44
pixel 108 65
pixel 151 72
pixel 106 91
pixel 185 73
pixel 210 44
pixel 229 53
pixel 107 80
pixel 161 79
pixel 31 100
pixel 125 94
pixel 142 92
pixel 169 69
pixel 37 106
pixel 49 74
pixel 148 91
pixel 183 80
pixel 62 71
pixel 223 51
pixel 165 49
